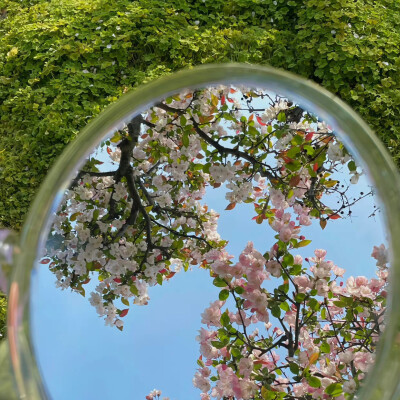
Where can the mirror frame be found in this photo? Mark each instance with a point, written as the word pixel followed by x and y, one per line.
pixel 351 129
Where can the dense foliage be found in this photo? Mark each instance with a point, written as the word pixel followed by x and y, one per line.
pixel 3 307
pixel 135 215
pixel 62 62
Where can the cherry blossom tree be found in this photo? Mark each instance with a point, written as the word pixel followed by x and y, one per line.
pixel 134 216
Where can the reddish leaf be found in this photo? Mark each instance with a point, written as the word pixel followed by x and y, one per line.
pixel 309 136
pixel 261 362
pixel 260 218
pixel 97 265
pixel 124 312
pixel 232 90
pixel 230 100
pixel 260 121
pixel 86 281
pixel 238 162
pixel 257 189
pixel 315 167
pixel 216 185
pixel 45 261
pixel 222 100
pixel 294 181
pixel 334 216
pixel 251 117
pixel 327 139
pixel 287 159
pixel 133 278
pixel 314 358
pixel 230 206
pixel 171 274
pixel 109 151
pixel 322 223
pixel 159 257
pixel 118 280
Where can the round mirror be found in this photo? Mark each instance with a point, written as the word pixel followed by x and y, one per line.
pixel 215 235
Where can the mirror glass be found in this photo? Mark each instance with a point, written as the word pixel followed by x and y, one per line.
pixel 222 244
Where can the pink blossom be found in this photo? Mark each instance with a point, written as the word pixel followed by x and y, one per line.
pixel 363 361
pixel 274 268
pixel 202 382
pixel 320 254
pixel 246 367
pixel 212 315
pixel 303 283
pixel 380 254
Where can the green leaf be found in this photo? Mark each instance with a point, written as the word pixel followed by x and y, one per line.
pixel 185 139
pixel 217 344
pixel 323 313
pixel 294 368
pixel 325 348
pixel 253 131
pixel 299 298
pixel 339 303
pixel 218 282
pixel 125 301
pixel 314 382
pixel 96 213
pixel 298 139
pixel 236 352
pixel 310 150
pixel 288 259
pixel 334 389
pixel 293 151
pixel 313 304
pixel 303 243
pixel 352 166
pixel 116 138
pixel 276 311
pixel 159 279
pixel 225 320
pixel 281 117
pixel 284 306
pixel 74 216
pixel 239 290
pixel 223 294
pixel 296 270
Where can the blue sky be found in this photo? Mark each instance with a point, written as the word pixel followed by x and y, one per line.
pixel 80 358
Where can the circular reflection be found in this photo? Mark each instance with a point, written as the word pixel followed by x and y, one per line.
pixel 236 218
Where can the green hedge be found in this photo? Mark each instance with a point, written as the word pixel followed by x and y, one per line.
pixel 62 62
